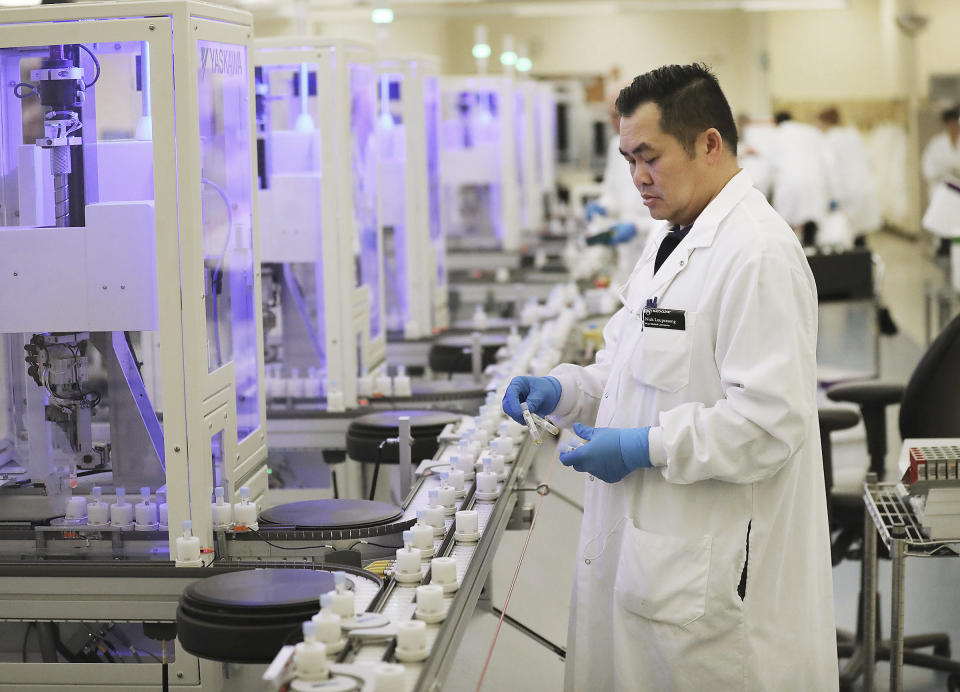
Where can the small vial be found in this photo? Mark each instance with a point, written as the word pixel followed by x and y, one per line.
pixel 546 425
pixel 531 426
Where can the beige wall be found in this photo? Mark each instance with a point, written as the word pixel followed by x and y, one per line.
pixel 831 54
pixel 844 55
pixel 634 43
pixel 937 45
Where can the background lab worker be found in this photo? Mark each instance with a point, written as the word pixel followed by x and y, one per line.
pixel 856 192
pixel 803 176
pixel 941 159
pixel 703 561
pixel 620 204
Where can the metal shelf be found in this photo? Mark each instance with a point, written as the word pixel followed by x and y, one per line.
pixel 890 511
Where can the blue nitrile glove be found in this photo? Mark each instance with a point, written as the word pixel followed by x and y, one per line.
pixel 593 209
pixel 610 453
pixel 542 395
pixel 622 232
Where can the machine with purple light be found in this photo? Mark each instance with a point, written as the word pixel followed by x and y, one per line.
pixel 321 250
pixel 481 205
pixel 410 206
pixel 130 337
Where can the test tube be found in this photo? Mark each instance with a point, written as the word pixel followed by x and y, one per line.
pixel 531 426
pixel 546 425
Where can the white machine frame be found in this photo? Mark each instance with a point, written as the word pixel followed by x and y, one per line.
pixel 528 164
pixel 197 404
pixel 546 117
pixel 347 310
pixel 426 292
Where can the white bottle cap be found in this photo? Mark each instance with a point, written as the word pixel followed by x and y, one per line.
pixel 389 677
pixel 430 603
pixel 468 525
pixel 76 508
pixel 411 640
pixel 443 571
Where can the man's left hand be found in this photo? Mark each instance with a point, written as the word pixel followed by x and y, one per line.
pixel 622 232
pixel 610 453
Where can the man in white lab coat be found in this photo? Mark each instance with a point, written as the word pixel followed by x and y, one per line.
pixel 804 177
pixel 856 191
pixel 941 158
pixel 703 561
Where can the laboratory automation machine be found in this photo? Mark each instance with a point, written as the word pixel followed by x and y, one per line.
pixel 481 200
pixel 130 338
pixel 408 131
pixel 321 249
pixel 129 300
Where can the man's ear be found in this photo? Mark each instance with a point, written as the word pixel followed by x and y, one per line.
pixel 711 144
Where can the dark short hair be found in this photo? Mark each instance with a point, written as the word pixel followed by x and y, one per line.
pixel 830 116
pixel 690 101
pixel 782 117
pixel 950 114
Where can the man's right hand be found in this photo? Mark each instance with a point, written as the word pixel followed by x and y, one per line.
pixel 541 394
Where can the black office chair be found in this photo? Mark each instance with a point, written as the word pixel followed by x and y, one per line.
pixel 929 407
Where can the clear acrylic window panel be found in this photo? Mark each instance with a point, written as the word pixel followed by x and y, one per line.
pixel 115 160
pixel 363 160
pixel 431 92
pixel 391 142
pixel 292 105
pixel 471 127
pixel 225 142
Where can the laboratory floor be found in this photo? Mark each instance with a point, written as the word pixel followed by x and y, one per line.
pixel 541 595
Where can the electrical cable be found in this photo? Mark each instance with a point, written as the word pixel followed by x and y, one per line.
pixel 95 62
pixel 217 269
pixel 21 96
pixel 287 547
pixel 365 542
pixel 26 636
pixel 376 467
pixel 516 574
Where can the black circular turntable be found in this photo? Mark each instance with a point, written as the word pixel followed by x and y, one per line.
pixel 453 354
pixel 247 616
pixel 366 434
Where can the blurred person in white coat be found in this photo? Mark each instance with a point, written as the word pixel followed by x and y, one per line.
pixel 803 176
pixel 856 192
pixel 704 556
pixel 941 158
pixel 620 210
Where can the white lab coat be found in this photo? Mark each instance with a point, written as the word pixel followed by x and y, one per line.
pixel 623 202
pixel 735 443
pixel 804 178
pixel 941 160
pixel 856 190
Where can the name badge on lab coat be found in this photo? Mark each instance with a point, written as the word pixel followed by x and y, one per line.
pixel 662 318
